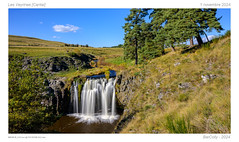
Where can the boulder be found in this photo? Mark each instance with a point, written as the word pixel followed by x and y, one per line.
pixel 206 78
pixel 184 85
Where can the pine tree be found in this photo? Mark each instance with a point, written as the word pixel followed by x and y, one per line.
pixel 179 25
pixel 167 26
pixel 133 33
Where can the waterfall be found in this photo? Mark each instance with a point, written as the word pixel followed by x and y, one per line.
pixel 97 101
pixel 75 98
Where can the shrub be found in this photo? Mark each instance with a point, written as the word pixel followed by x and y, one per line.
pixel 26 109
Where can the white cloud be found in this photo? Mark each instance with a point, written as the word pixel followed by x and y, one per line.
pixel 204 39
pixel 55 37
pixel 65 28
pixel 210 37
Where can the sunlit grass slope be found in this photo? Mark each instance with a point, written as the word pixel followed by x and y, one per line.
pixel 14 40
pixel 173 97
pixel 34 47
pixel 38 48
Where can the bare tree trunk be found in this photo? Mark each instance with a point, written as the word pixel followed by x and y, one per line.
pixel 136 52
pixel 191 42
pixel 173 49
pixel 199 39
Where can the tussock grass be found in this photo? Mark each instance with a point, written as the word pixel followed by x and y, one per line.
pixel 200 108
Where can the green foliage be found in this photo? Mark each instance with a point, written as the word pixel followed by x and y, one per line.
pixel 150 51
pixel 134 38
pixel 26 111
pixel 178 25
pixel 179 125
pixel 167 28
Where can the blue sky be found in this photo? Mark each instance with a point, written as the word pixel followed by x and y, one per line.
pixel 95 27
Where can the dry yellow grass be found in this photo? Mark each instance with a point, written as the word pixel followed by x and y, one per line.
pixel 207 106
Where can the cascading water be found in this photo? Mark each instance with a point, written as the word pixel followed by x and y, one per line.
pixel 75 98
pixel 97 101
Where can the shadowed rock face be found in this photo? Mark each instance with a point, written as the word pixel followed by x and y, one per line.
pixel 56 64
pixel 125 88
pixel 58 95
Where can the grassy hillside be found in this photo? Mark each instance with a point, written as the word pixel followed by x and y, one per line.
pixel 174 98
pixel 187 91
pixel 35 47
pixel 14 40
pixel 38 48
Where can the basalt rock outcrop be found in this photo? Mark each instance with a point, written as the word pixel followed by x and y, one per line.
pixel 56 90
pixel 126 85
pixel 56 64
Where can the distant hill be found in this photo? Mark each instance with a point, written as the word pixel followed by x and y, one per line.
pixel 14 40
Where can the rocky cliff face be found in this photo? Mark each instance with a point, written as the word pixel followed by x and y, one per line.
pixel 125 88
pixel 59 95
pixel 56 64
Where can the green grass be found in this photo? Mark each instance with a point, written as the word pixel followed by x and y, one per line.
pixel 34 47
pixel 38 48
pixel 30 41
pixel 119 60
pixel 35 51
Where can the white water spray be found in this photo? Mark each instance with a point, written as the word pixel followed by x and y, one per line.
pixel 75 98
pixel 97 101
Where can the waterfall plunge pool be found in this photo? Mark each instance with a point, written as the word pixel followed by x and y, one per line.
pixel 68 124
pixel 93 110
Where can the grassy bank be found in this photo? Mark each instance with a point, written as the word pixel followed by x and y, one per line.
pixel 174 98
